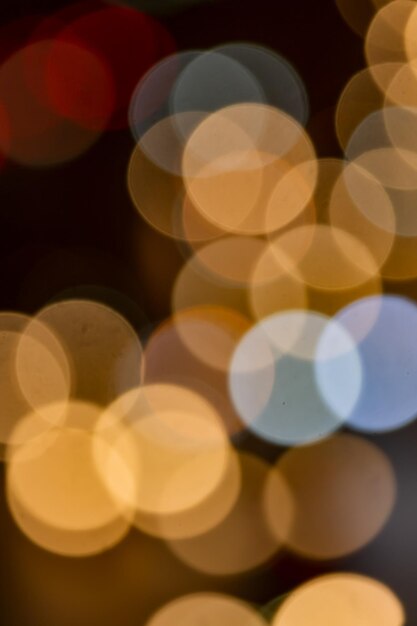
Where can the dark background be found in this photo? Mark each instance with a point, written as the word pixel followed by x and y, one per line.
pixel 75 225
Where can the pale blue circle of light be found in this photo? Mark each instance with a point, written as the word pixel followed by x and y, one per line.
pixel 272 378
pixel 385 331
pixel 279 80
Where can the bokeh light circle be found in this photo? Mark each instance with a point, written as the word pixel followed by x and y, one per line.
pixel 385 331
pixel 344 491
pixel 56 493
pixel 343 599
pixel 272 378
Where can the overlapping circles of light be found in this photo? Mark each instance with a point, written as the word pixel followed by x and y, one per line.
pixel 344 599
pixel 272 377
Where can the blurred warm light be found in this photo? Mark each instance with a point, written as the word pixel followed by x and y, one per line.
pixel 56 494
pixel 42 366
pixel 195 286
pixel 385 330
pixel 361 206
pixel 242 541
pixel 273 383
pixel 157 194
pixel 34 375
pixel 194 228
pixel 309 247
pixel 385 41
pixel 273 288
pixel 364 93
pixel 343 599
pixel 402 88
pixel 211 334
pixel 344 490
pixel 230 260
pixel 206 608
pixel 193 348
pixel 375 146
pixel 163 143
pixel 177 439
pixel 201 519
pixel 305 253
pixel 103 349
pixel 234 163
pixel 401 127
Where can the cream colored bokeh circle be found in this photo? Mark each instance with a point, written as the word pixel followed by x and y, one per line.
pixel 55 489
pixel 343 599
pixel 178 440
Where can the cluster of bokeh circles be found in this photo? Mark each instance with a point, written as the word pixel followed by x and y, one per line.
pixel 281 325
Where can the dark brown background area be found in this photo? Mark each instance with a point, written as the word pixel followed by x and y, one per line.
pixel 74 225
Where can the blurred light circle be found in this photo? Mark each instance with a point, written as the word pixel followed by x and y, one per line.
pixel 212 81
pixel 388 352
pixel 364 93
pixel 235 165
pixel 230 259
pixel 193 349
pixel 38 382
pixel 196 285
pixel 273 288
pixel 57 496
pixel 243 540
pixel 272 378
pixel 227 134
pixel 149 103
pixel 210 609
pixel 42 366
pixel 290 195
pixel 306 252
pixel 401 127
pixel 402 88
pixel 280 82
pixel 343 599
pixel 162 143
pixel 37 136
pixel 103 349
pixel 375 145
pixel 201 519
pixel 385 40
pixel 157 194
pixel 178 440
pixel 230 199
pixel 194 228
pixel 344 491
pixel 360 205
